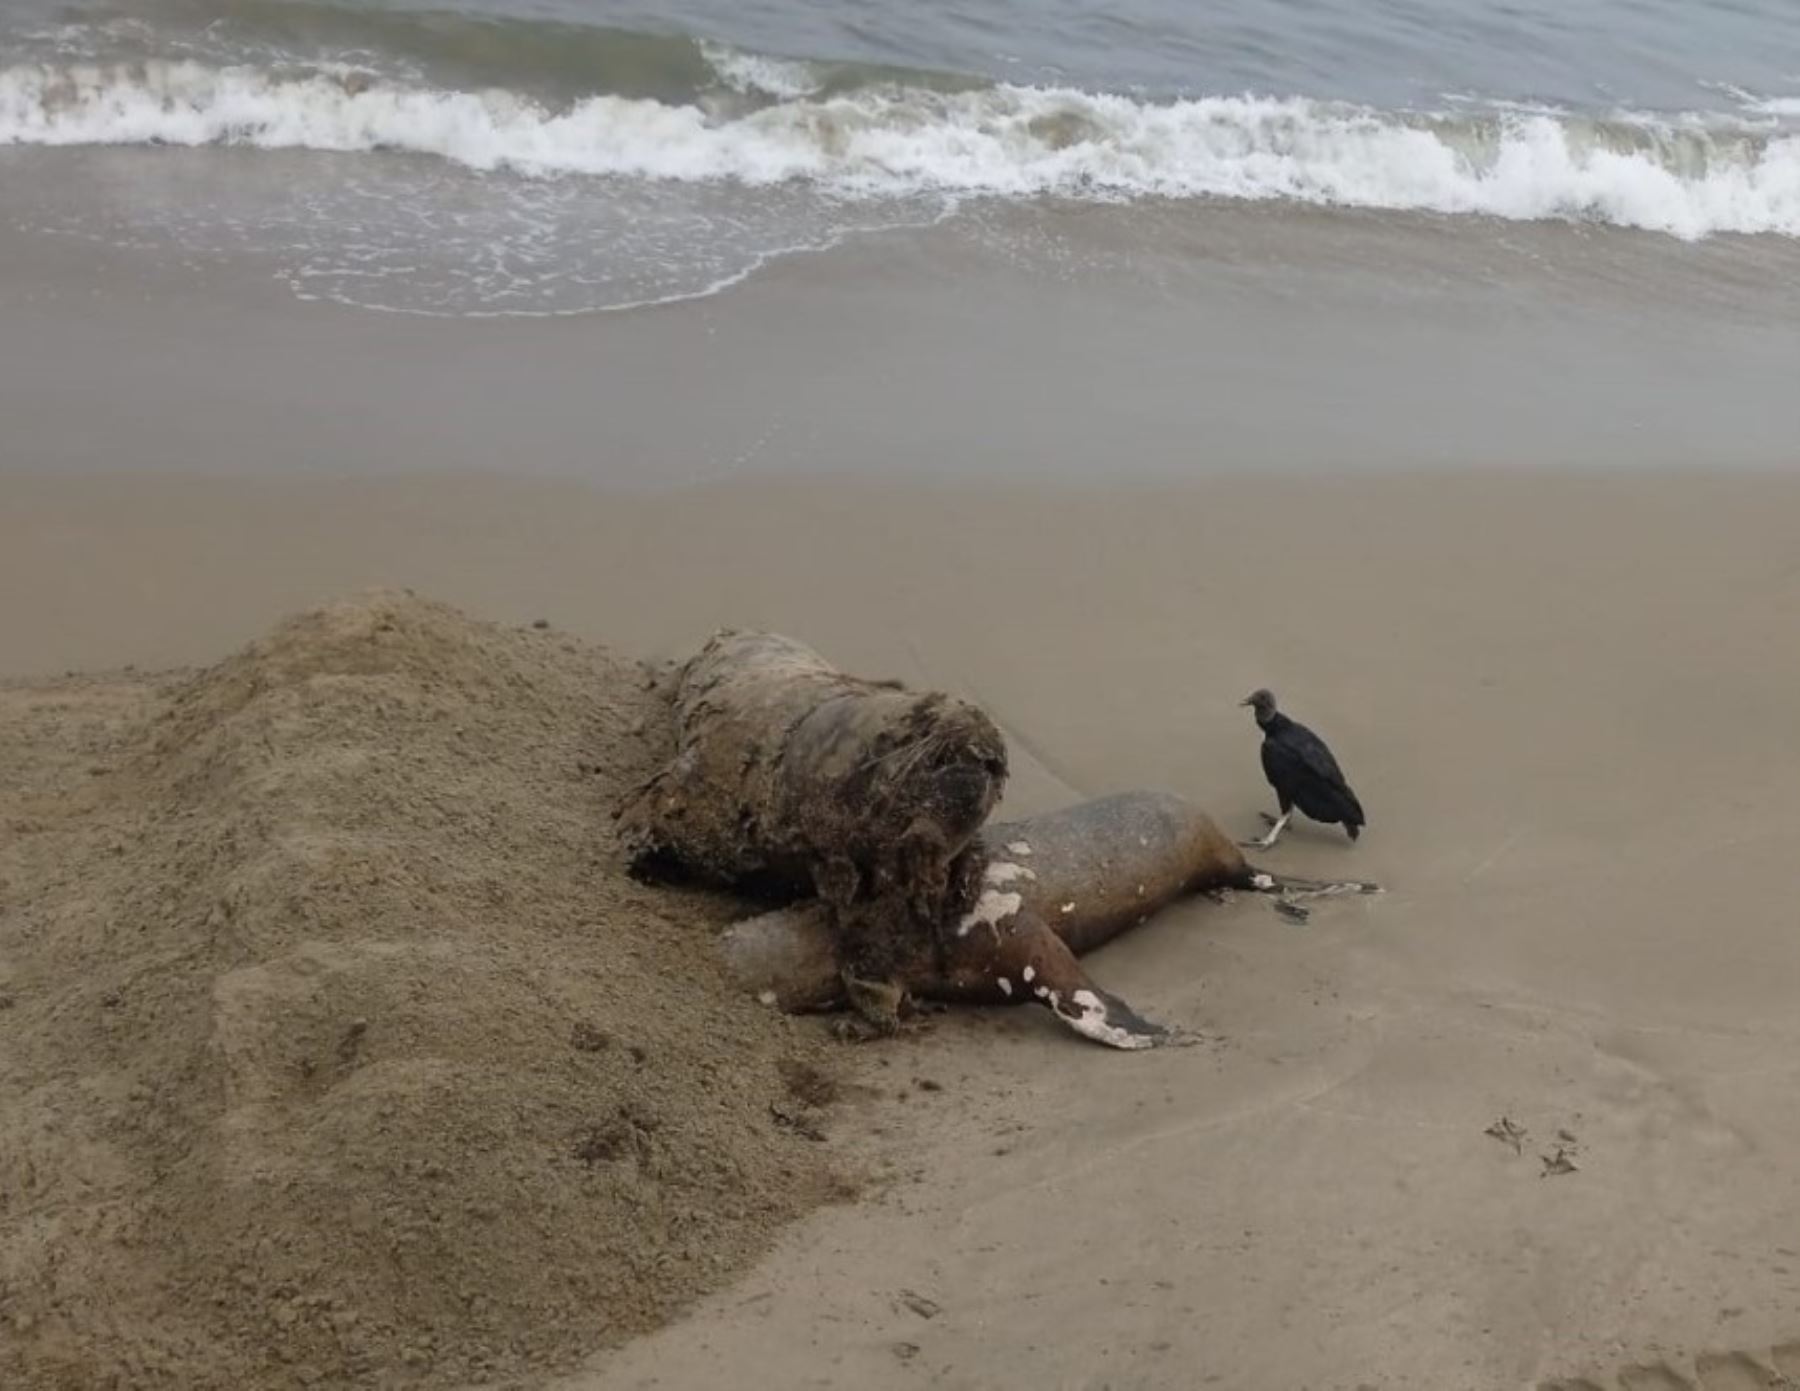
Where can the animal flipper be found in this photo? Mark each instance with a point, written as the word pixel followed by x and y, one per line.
pixel 1038 965
pixel 1264 881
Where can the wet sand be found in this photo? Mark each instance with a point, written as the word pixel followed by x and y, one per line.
pixel 1098 345
pixel 1565 698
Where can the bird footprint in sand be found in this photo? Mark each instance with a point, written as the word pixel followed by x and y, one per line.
pixel 1508 1132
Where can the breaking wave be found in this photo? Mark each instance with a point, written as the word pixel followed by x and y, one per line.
pixel 774 121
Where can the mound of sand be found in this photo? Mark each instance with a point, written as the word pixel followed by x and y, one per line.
pixel 334 1044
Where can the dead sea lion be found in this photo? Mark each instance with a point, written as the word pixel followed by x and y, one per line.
pixel 792 778
pixel 790 774
pixel 1032 895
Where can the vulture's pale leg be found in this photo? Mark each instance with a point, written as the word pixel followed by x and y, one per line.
pixel 1276 827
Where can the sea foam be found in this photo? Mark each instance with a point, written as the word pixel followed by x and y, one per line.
pixel 1689 178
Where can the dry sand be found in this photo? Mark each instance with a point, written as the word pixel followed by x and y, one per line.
pixel 338 1049
pixel 1568 705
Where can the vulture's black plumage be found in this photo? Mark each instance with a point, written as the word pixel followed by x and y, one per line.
pixel 1303 773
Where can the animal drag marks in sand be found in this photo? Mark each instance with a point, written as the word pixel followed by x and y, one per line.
pixel 859 807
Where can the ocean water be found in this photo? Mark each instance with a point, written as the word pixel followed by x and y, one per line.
pixel 565 156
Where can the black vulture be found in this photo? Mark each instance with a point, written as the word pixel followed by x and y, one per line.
pixel 1303 773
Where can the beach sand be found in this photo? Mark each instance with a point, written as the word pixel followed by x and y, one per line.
pixel 1566 700
pixel 1567 705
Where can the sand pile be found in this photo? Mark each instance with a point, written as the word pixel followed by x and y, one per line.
pixel 334 1045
